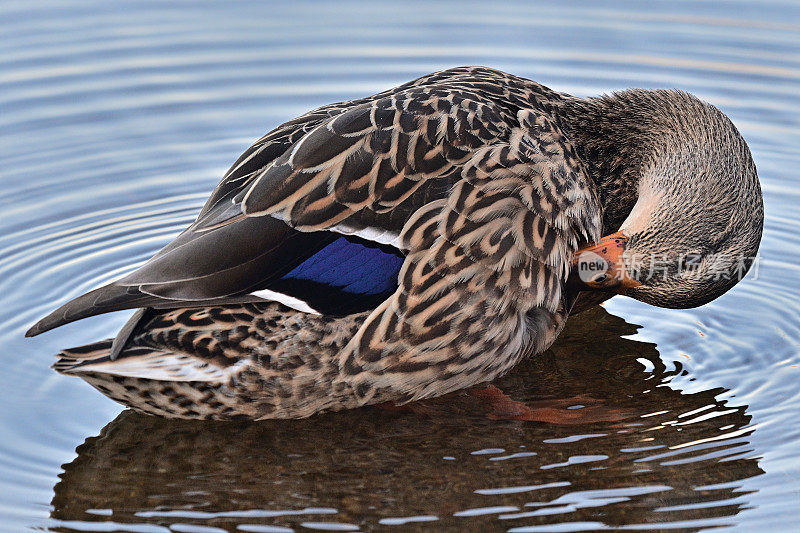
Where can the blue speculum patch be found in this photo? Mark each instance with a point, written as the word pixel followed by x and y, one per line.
pixel 352 267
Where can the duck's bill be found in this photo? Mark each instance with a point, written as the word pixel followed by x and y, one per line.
pixel 601 266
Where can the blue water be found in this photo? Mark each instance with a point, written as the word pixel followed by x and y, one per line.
pixel 118 118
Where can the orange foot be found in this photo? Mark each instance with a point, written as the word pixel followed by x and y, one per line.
pixel 500 406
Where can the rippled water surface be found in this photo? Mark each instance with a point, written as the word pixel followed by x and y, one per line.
pixel 119 118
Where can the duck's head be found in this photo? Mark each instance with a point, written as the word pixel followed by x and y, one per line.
pixel 697 217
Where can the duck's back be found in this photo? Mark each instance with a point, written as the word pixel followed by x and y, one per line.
pixel 311 213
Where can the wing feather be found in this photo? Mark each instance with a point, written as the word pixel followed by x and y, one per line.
pixel 483 278
pixel 373 156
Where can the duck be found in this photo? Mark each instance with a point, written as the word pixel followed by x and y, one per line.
pixel 421 241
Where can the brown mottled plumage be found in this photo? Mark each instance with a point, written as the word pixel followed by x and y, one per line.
pixel 483 185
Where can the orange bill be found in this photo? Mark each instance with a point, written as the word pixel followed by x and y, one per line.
pixel 601 266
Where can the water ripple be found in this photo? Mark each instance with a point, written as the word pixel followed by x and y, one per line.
pixel 119 118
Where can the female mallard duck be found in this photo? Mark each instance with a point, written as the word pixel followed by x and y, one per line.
pixel 422 241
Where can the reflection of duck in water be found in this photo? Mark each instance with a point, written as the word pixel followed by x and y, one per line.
pixel 380 465
pixel 425 236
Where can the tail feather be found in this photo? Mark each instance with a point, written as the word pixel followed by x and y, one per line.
pixel 88 351
pixel 139 362
pixel 68 359
pixel 172 384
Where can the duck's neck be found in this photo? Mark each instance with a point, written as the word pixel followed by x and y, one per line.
pixel 614 138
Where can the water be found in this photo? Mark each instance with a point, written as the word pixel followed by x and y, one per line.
pixel 119 118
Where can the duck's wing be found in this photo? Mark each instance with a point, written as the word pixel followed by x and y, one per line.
pixel 313 211
pixel 483 281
